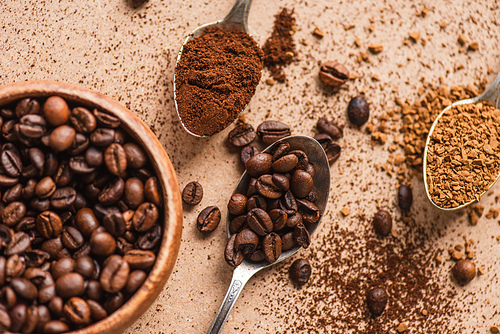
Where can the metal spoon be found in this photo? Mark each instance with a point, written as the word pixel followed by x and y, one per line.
pixel 246 269
pixel 492 94
pixel 236 19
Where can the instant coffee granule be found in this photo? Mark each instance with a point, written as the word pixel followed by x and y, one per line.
pixel 463 154
pixel 215 79
pixel 279 48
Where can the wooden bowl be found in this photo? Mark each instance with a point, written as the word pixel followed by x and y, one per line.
pixel 172 225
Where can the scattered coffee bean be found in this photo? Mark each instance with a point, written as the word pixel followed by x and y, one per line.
pixel 242 135
pixel 329 128
pixel 300 271
pixel 376 300
pixel 382 223
pixel 358 110
pixel 208 219
pixel 333 73
pixel 247 152
pixel 464 271
pixel 405 197
pixel 192 193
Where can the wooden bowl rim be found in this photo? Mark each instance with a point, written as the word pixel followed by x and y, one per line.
pixel 167 254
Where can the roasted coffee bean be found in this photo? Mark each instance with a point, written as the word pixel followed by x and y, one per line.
pixel 192 193
pixel 13 213
pixel 258 256
pixel 281 181
pixel 43 317
pixel 61 138
pixel 24 288
pixel 8 297
pixel 140 259
pixel 333 74
pixel 136 158
pixel 303 159
pixel 271 245
pixel 464 271
pixel 358 110
pixel 115 159
pixel 36 257
pixel 287 241
pixel 376 300
pixel 45 187
pixel 246 241
pixel 13 193
pixel 294 219
pixel 300 271
pixel 10 160
pixel 329 128
pixel 259 221
pixel 133 194
pixel 5 321
pixel 134 281
pixel 51 164
pixel 32 126
pixel 312 196
pixel 152 191
pixel 38 204
pixel 77 311
pixel 113 302
pixel 63 198
pixel 29 172
pixel 106 119
pixel 49 224
pixel 114 274
pixel 233 257
pixel 271 131
pixel 301 183
pixel 36 157
pixel 55 327
pixel 56 110
pixel 112 192
pixel 102 137
pixel 282 149
pixel 259 164
pixel 151 239
pixel 242 135
pixel 5 235
pixel 82 120
pixel 237 224
pixel 26 106
pixel 18 317
pixel 288 203
pixel 86 221
pixel 237 204
pixel 208 219
pixel 382 223
pixel 405 197
pixel 79 144
pixel 332 151
pixel 29 189
pixel 85 266
pixel 94 290
pixel 252 187
pixel 301 236
pixel 309 210
pixel 52 247
pixel 94 157
pixel 8 130
pixel 62 267
pixel 145 217
pixel 79 165
pixel 56 306
pixel 18 244
pixel 267 188
pixel 7 181
pixel 114 223
pixel 72 238
pixel 247 152
pixel 70 285
pixel 279 219
pixel 97 311
pixel 102 243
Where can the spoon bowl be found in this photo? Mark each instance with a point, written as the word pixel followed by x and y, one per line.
pixel 247 269
pixel 236 19
pixel 492 94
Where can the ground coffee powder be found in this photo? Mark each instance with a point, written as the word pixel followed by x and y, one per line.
pixel 215 79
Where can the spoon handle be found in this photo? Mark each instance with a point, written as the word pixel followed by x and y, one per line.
pixel 239 14
pixel 241 275
pixel 493 92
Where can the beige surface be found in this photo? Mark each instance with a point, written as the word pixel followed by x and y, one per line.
pixel 129 54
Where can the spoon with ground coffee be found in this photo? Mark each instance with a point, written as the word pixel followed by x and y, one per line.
pixel 244 271
pixel 461 157
pixel 217 70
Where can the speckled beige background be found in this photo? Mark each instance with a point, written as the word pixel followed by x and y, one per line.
pixel 129 54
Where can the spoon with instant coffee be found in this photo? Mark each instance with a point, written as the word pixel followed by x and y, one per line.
pixel 236 19
pixel 247 269
pixel 491 95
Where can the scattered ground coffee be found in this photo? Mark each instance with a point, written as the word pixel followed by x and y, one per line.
pixel 215 79
pixel 463 152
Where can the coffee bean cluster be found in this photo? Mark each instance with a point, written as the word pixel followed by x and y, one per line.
pixel 279 203
pixel 80 216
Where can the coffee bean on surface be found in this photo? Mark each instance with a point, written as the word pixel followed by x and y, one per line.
pixel 376 300
pixel 382 223
pixel 192 193
pixel 208 219
pixel 247 152
pixel 271 131
pixel 405 197
pixel 464 271
pixel 324 126
pixel 358 110
pixel 333 74
pixel 300 271
pixel 242 135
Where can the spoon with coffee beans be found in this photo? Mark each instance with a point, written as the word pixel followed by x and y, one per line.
pixel 275 208
pixel 460 162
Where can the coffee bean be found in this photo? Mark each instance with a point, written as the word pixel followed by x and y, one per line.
pixel 45 187
pixel 18 317
pixel 252 187
pixel 237 224
pixel 62 267
pixel 332 151
pixel 242 135
pixel 140 259
pixel 55 327
pixel 6 181
pixel 85 266
pixel 288 203
pixel 294 219
pixel 63 198
pixel 56 306
pixel 26 106
pixel 376 300
pixel 106 119
pixel 300 271
pixel 281 149
pixel 247 152
pixel 271 245
pixel 271 131
pixel 24 288
pixel 237 204
pixel 192 193
pixel 102 243
pixel 279 218
pixel 61 138
pixel 151 239
pixel 5 321
pixel 134 281
pixel 312 196
pixel 208 219
pixel 259 164
pixel 8 297
pixel 114 223
pixel 115 159
pixel 114 274
pixel 94 157
pixel 112 192
pixel 102 137
pixel 32 126
pixel 152 191
pixel 145 217
pixel 333 74
pixel 43 317
pixel 310 212
pixel 49 224
pixel 13 193
pixel 113 302
pixel 70 285
pixel 358 110
pixel 301 183
pixel 97 311
pixel 464 271
pixel 259 221
pixel 36 257
pixel 82 120
pixel 303 159
pixel 77 311
pixel 10 160
pixel 72 238
pixel 301 235
pixel 79 144
pixel 258 256
pixel 382 223
pixel 18 244
pixel 267 188
pixel 329 128
pixel 405 197
pixel 232 257
pixel 246 241
pixel 56 110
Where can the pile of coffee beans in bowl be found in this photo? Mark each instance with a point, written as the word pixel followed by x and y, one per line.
pixel 80 215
